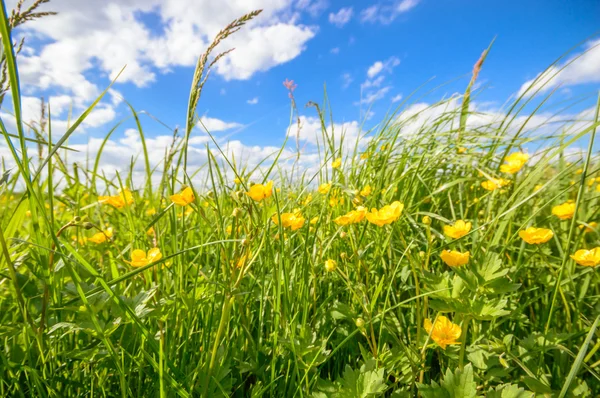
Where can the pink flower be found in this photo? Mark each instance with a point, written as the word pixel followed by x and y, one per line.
pixel 289 84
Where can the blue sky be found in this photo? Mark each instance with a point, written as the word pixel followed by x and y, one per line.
pixel 384 48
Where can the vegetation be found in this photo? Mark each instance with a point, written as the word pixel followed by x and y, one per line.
pixel 431 256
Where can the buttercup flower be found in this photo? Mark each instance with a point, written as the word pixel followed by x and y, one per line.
pixel 336 200
pixel 443 332
pixel 330 265
pixel 184 198
pixel 336 163
pixel 123 199
pixel 314 220
pixel 258 192
pixel 454 258
pixel 324 188
pixel 494 183
pixel 139 258
pixel 564 211
pixel 386 215
pixel 237 180
pixel 514 162
pixel 366 191
pixel 353 217
pixel 101 237
pixel 587 258
pixel 458 230
pixel 244 259
pixel 536 236
pixel 591 227
pixel 294 221
pixel 150 231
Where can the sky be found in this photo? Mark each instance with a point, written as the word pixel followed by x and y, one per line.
pixel 368 56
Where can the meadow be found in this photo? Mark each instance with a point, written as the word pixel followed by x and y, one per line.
pixel 444 253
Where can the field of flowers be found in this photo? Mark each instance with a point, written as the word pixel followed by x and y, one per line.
pixel 457 260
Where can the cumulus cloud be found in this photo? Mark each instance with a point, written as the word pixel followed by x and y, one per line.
pixel 380 66
pixel 581 68
pixel 387 11
pixel 213 125
pixel 342 17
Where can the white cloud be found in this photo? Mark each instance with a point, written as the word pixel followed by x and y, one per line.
pixel 387 12
pixel 375 69
pixel 379 66
pixel 376 95
pixel 579 69
pixel 397 98
pixel 335 50
pixel 310 130
pixel 253 101
pixel 342 17
pixel 214 125
pixel 373 88
pixel 313 7
pixel 346 80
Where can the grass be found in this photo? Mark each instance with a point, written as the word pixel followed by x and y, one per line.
pixel 241 304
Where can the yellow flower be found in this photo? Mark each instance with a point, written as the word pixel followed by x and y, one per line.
pixel 336 163
pixel 184 198
pixel 258 192
pixel 139 258
pixel 324 188
pixel 443 332
pixel 579 171
pixel 453 258
pixel 150 231
pixel 587 258
pixel 494 183
pixel 458 230
pixel 591 227
pixel 237 180
pixel 294 221
pixel 244 259
pixel 514 162
pixel 366 191
pixel 330 265
pixel 151 211
pixel 564 211
pixel 353 217
pixel 535 236
pixel 462 149
pixel 383 148
pixel 335 200
pixel 314 220
pixel 364 155
pixel 123 199
pixel 101 237
pixel 537 187
pixel 386 215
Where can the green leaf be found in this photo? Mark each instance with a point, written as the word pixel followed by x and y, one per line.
pixel 509 391
pixel 457 384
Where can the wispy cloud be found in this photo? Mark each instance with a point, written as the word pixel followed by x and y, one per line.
pixel 253 101
pixel 342 17
pixel 387 12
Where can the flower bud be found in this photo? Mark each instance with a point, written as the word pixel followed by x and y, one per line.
pixel 360 323
pixel 427 220
pixel 88 225
pixel 237 212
